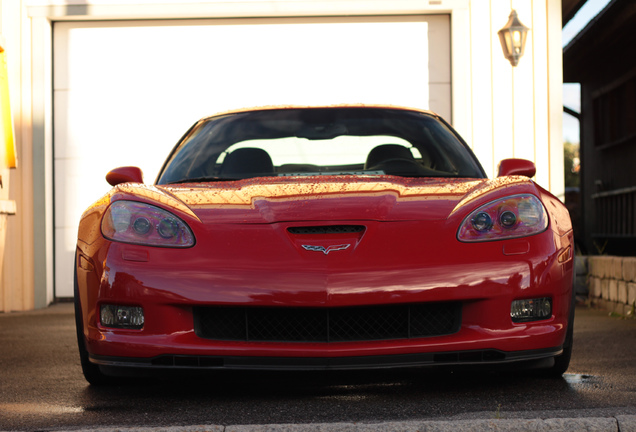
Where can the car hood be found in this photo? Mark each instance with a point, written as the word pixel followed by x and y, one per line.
pixel 324 198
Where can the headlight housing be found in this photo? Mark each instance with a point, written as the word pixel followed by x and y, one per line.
pixel 511 217
pixel 145 224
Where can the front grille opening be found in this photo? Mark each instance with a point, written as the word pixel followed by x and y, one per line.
pixel 277 324
pixel 327 229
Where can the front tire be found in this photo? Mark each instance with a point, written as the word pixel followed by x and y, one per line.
pixel 562 361
pixel 91 371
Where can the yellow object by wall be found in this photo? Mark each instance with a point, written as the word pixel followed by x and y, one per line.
pixel 8 158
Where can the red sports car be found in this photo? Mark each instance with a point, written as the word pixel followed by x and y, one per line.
pixel 300 238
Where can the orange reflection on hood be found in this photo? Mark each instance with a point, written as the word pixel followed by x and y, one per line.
pixel 152 193
pixel 488 186
pixel 244 193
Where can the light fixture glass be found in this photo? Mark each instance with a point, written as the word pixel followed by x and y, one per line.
pixel 513 38
pixel 531 309
pixel 119 316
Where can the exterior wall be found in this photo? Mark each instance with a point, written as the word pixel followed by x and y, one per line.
pixel 517 112
pixel 612 283
pixel 500 110
pixel 17 288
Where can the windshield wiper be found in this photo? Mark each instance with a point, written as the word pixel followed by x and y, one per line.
pixel 439 175
pixel 203 180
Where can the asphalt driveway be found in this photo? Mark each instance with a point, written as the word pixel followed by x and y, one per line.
pixel 42 387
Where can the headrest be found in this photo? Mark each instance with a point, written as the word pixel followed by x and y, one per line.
pixel 246 161
pixel 385 152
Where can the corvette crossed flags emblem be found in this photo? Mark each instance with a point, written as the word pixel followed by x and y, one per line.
pixel 327 249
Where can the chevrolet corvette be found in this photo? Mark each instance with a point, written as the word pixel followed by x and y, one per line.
pixel 309 238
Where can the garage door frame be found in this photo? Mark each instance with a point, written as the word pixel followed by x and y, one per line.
pixel 41 127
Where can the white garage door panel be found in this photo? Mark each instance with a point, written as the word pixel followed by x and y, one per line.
pixel 125 92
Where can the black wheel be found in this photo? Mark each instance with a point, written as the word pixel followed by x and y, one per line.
pixel 91 371
pixel 562 361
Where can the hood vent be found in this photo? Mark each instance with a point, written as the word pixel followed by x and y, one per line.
pixel 327 229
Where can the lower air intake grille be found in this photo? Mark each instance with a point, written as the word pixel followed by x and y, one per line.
pixel 327 324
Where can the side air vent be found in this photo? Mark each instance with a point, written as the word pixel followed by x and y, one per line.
pixel 327 229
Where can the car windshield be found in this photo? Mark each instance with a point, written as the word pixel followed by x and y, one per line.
pixel 319 141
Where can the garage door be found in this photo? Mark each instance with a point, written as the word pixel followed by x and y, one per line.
pixel 124 92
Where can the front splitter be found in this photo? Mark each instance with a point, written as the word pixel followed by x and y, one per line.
pixel 109 365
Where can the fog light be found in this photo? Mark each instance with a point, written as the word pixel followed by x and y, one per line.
pixel 129 317
pixel 531 309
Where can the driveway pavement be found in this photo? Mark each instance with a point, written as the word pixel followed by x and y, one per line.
pixel 42 388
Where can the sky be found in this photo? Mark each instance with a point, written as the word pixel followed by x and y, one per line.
pixel 572 92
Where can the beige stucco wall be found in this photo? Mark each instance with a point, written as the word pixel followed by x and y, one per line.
pixel 501 111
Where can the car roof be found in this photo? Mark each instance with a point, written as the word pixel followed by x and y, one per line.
pixel 336 106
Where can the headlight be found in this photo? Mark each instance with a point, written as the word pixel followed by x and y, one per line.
pixel 506 218
pixel 145 224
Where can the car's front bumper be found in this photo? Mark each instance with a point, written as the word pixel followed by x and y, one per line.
pixel 483 278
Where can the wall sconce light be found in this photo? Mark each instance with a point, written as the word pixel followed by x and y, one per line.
pixel 513 38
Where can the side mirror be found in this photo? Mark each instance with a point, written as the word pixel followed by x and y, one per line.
pixel 523 167
pixel 127 174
